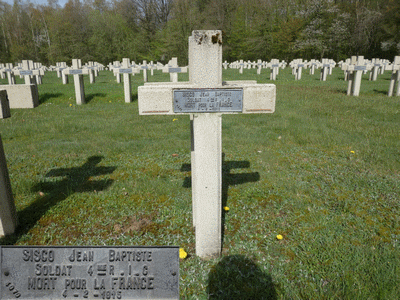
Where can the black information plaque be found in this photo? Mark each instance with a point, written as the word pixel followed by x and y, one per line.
pixel 208 100
pixel 36 272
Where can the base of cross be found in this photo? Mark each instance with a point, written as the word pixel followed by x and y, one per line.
pixel 206 98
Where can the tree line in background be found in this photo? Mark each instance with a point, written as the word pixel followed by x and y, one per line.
pixel 106 31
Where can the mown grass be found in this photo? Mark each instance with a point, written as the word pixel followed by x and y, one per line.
pixel 323 171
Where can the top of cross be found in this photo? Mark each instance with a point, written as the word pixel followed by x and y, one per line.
pixel 205 91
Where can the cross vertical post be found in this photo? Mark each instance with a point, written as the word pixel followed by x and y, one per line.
pixel 205 61
pixel 78 82
pixel 144 67
pixel 127 80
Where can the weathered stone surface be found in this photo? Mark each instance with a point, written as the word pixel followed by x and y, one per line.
pixel 22 95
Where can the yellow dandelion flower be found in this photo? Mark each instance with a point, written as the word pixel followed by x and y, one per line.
pixel 70 104
pixel 226 208
pixel 182 253
pixel 352 152
pixel 109 101
pixel 279 237
pixel 173 120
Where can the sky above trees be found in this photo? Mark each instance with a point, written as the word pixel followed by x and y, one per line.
pixel 157 30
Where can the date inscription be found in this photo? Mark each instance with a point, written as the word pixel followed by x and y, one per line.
pixel 89 272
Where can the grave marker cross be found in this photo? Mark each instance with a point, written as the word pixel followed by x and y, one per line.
pixel 78 79
pixel 173 69
pixel 126 70
pixel 355 71
pixel 205 97
pixel 395 78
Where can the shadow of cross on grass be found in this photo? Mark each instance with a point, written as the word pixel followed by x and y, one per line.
pixel 228 179
pixel 74 180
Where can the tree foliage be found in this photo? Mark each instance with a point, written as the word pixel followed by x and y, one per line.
pixel 108 30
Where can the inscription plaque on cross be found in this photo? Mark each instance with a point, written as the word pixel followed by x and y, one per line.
pixel 205 98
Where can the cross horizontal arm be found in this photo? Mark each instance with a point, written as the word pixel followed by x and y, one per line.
pixel 28 72
pixel 159 98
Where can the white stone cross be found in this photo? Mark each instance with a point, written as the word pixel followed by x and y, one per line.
pixel 144 67
pixel 115 65
pixel 78 79
pixel 326 68
pixel 395 79
pixel 312 64
pixel 241 66
pixel 60 67
pixel 28 72
pixel 151 67
pixel 10 73
pixel 297 66
pixel 355 71
pixel 173 69
pixel 127 69
pixel 205 98
pixel 274 65
pixel 260 65
pixel 376 65
pixel 93 71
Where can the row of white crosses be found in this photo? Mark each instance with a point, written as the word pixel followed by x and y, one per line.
pixel 140 67
pixel 326 66
pixel 297 66
pixel 30 71
pixel 378 67
pixel 94 69
pixel 274 65
pixel 206 98
pixel 7 69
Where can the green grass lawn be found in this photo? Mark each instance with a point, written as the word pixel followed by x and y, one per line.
pixel 323 171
